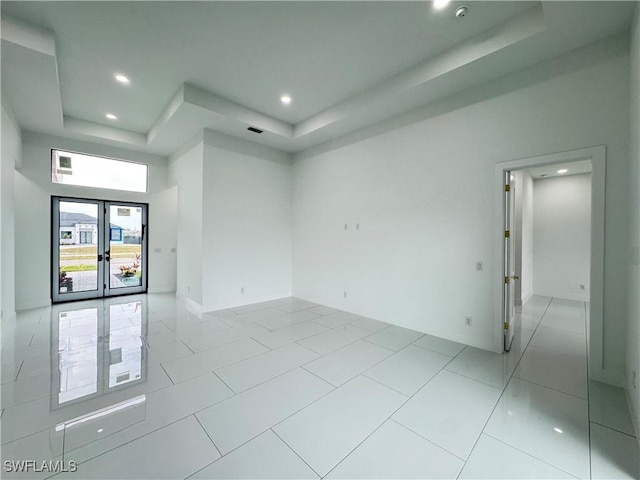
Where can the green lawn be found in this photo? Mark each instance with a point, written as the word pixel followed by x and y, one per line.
pixel 78 268
pixel 90 252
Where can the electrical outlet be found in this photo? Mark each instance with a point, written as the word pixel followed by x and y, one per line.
pixel 357 226
pixel 467 321
pixel 345 294
pixel 345 226
pixel 241 289
pixel 479 266
pixel 581 286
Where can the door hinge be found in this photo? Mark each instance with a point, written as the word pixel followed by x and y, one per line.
pixel 104 285
pixel 506 280
pixel 507 188
pixel 506 326
pixel 507 234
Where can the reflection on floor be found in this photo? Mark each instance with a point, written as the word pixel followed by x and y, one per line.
pixel 137 387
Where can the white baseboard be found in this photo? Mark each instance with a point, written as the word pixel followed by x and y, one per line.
pixel 38 304
pixel 582 297
pixel 234 304
pixel 162 289
pixel 607 376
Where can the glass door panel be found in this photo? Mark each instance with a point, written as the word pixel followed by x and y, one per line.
pixel 77 261
pixel 125 246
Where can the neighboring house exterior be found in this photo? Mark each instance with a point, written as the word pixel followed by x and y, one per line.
pixel 82 229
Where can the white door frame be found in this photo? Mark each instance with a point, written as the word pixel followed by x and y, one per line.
pixel 595 330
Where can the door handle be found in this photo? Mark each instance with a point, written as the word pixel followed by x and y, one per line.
pixel 515 277
pixel 107 256
pixel 100 258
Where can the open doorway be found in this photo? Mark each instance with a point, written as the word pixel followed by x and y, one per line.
pixel 553 225
pixel 570 247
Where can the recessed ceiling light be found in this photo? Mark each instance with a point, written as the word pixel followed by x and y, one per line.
pixel 440 4
pixel 122 79
pixel 558 430
pixel 563 170
pixel 285 99
pixel 111 116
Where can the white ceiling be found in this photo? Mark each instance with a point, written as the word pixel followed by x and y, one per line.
pixel 572 168
pixel 224 65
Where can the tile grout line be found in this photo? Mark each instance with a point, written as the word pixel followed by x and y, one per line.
pixel 295 453
pixel 265 346
pixel 131 440
pixel 225 384
pixel 529 455
pixel 504 389
pixel 614 429
pixel 50 396
pixel 208 436
pixel 552 388
pixel 15 379
pixel 269 428
pixel 409 397
pixel 167 374
pixel 188 347
pixel 222 366
pixel 588 394
pixel 430 441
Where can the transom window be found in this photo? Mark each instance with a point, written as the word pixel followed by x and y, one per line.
pixel 69 168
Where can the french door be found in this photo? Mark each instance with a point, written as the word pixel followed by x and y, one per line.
pixel 99 248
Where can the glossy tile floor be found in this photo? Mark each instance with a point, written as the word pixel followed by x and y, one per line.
pixel 137 387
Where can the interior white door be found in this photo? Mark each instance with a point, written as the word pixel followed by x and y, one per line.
pixel 510 276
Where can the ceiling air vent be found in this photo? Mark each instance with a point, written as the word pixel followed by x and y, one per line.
pixel 255 130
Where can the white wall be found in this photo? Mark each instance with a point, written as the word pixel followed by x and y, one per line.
pixel 633 259
pixel 422 195
pixel 11 157
pixel 524 236
pixel 528 210
pixel 247 223
pixel 561 236
pixel 162 234
pixel 234 222
pixel 33 191
pixel 185 171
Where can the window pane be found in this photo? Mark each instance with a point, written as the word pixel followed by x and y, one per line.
pixel 89 171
